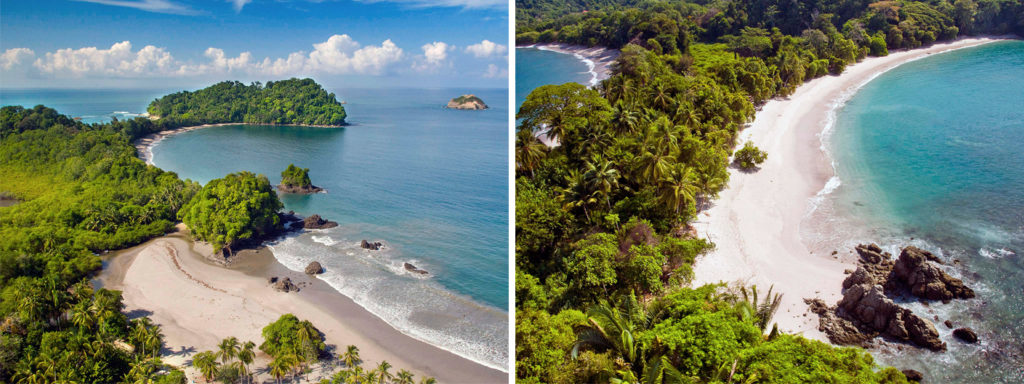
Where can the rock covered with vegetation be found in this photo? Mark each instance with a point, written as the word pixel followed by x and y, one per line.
pixel 470 102
pixel 237 208
pixel 292 101
pixel 296 180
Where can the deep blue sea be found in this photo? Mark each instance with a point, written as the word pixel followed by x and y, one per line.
pixel 429 182
pixel 536 67
pixel 931 153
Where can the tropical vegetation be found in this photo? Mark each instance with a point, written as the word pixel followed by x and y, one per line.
pixel 295 177
pixel 233 209
pixel 604 246
pixel 292 101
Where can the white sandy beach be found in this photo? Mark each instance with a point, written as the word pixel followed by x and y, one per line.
pixel 756 221
pixel 198 303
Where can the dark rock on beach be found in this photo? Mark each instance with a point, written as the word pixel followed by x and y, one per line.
pixel 314 268
pixel 926 280
pixel 949 324
pixel 371 246
pixel 966 334
pixel 317 222
pixel 913 375
pixel 413 269
pixel 285 285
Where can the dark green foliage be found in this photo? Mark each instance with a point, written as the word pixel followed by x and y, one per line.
pixel 82 191
pixel 239 207
pixel 468 99
pixel 291 336
pixel 651 144
pixel 295 177
pixel 293 101
pixel 749 157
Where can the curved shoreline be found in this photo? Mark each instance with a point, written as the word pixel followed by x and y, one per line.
pixel 144 145
pixel 756 221
pixel 597 59
pixel 197 303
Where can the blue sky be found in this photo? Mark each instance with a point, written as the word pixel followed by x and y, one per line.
pixel 191 43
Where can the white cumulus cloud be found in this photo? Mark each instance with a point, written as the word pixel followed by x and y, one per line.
pixel 342 55
pixel 486 49
pixel 434 56
pixel 119 60
pixel 493 72
pixel 14 57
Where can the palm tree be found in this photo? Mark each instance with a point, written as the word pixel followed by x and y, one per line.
pixel 246 355
pixel 575 193
pixel 228 349
pixel 351 357
pixel 279 368
pixel 602 178
pixel 206 362
pixel 143 370
pixel 370 377
pixel 404 377
pixel 428 380
pixel 382 370
pixel 760 312
pixel 654 165
pixel 356 377
pixel 678 187
pixel 529 151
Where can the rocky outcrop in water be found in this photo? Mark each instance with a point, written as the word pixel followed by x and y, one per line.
pixel 469 102
pixel 317 222
pixel 966 334
pixel 913 375
pixel 308 189
pixel 925 280
pixel 371 246
pixel 314 268
pixel 868 307
pixel 412 268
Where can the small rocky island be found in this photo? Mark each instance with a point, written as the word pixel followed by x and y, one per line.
pixel 468 102
pixel 296 180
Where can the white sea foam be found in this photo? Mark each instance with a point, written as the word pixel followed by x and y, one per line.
pixel 378 282
pixel 325 240
pixel 589 63
pixel 995 253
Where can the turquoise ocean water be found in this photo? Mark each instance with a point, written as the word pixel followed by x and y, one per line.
pixel 536 67
pixel 429 182
pixel 931 153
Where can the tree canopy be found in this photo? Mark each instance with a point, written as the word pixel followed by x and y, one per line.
pixel 293 101
pixel 295 177
pixel 238 207
pixel 81 191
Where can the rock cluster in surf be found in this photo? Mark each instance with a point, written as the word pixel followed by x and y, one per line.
pixel 373 246
pixel 866 309
pixel 317 222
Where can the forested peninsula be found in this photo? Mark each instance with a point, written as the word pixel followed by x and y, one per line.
pixel 604 246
